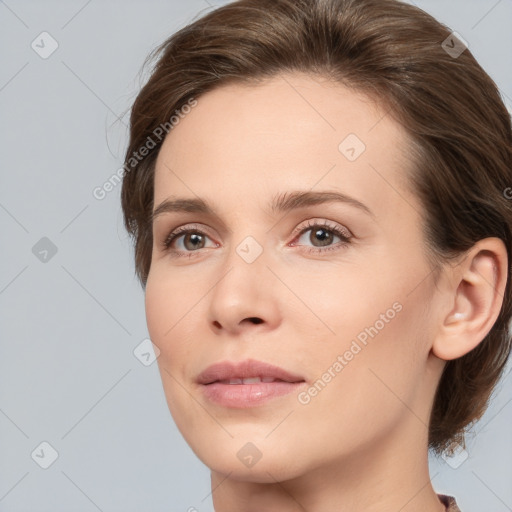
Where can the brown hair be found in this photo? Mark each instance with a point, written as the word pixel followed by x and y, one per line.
pixel 460 131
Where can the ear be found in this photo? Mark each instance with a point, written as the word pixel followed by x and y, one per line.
pixel 477 286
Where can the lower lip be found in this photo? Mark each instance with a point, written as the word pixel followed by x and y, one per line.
pixel 248 395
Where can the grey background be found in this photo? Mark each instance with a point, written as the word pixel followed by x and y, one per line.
pixel 69 326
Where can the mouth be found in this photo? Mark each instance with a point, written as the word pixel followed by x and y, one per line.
pixel 246 384
pixel 248 380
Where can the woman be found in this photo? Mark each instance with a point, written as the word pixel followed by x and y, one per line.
pixel 317 195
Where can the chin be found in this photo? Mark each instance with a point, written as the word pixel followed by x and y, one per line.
pixel 258 460
pixel 264 471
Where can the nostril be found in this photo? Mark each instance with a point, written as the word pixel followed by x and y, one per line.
pixel 253 319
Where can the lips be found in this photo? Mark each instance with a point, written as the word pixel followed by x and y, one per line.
pixel 249 371
pixel 250 380
pixel 249 383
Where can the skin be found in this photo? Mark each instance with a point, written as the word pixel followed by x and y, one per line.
pixel 360 444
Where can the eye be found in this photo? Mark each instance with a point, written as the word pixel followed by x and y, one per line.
pixel 322 235
pixel 187 238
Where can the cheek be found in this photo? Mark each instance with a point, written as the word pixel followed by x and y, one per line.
pixel 168 301
pixel 374 392
pixel 172 309
pixel 157 302
pixel 335 304
pixel 166 319
pixel 377 351
pixel 163 312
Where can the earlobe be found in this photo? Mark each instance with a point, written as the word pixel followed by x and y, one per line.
pixel 476 296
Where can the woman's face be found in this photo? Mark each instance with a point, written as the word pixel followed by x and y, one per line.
pixel 336 292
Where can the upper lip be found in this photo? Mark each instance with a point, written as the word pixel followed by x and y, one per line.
pixel 226 370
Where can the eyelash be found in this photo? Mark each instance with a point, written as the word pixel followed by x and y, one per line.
pixel 184 230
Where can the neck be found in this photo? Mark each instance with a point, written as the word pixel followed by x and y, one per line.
pixel 388 475
pixel 369 484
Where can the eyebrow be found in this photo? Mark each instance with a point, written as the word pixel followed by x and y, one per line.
pixel 281 203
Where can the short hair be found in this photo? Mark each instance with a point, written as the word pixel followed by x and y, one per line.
pixel 420 72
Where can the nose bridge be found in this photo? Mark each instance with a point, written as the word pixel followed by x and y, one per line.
pixel 244 267
pixel 242 290
pixel 247 242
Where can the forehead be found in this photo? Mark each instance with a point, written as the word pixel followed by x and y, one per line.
pixel 292 131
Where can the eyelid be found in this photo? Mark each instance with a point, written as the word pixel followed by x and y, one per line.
pixel 183 229
pixel 315 221
pixel 339 230
pixel 297 231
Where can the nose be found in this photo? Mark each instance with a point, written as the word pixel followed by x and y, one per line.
pixel 245 298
